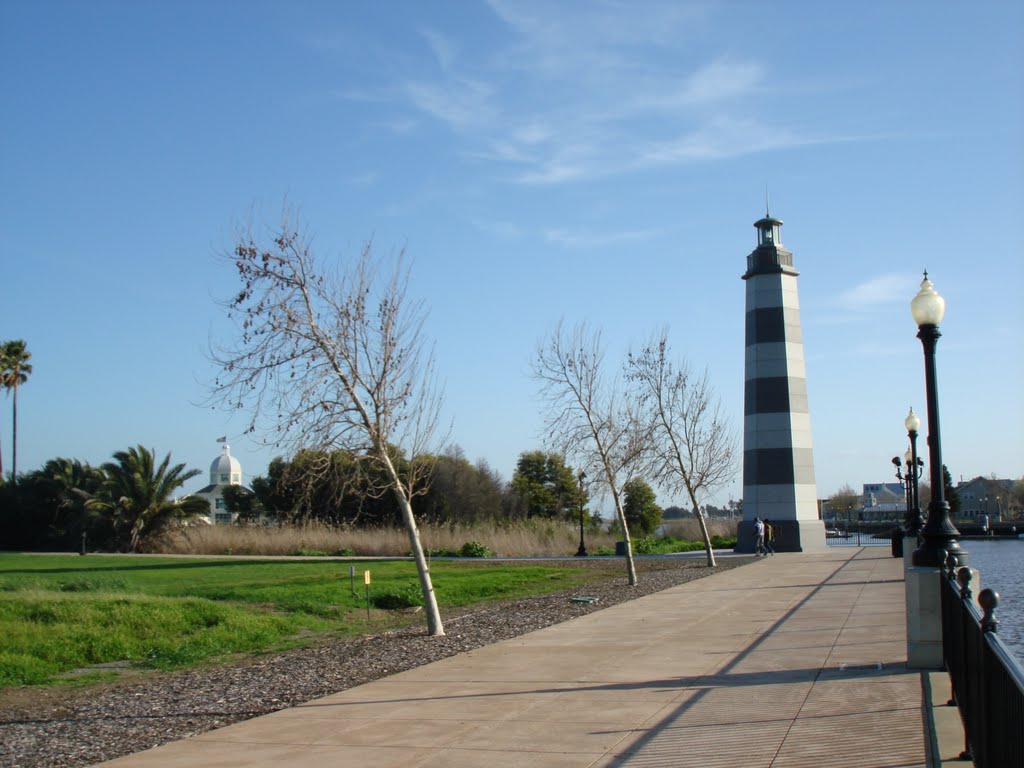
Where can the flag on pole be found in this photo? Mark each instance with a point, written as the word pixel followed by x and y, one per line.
pixel 222 439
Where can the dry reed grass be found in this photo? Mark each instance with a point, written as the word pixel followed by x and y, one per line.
pixel 688 528
pixel 531 538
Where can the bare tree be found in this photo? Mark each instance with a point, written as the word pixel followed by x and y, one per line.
pixel 335 359
pixel 846 501
pixel 693 445
pixel 587 416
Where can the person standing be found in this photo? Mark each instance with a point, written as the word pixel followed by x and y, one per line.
pixel 769 536
pixel 758 538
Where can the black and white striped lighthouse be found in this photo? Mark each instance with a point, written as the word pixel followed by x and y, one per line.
pixel 778 462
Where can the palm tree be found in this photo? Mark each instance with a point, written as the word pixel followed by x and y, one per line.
pixel 138 494
pixel 14 371
pixel 71 485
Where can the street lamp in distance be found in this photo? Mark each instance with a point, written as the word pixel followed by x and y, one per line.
pixel 582 551
pixel 897 534
pixel 915 466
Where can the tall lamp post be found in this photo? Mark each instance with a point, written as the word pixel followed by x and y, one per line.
pixel 915 466
pixel 939 535
pixel 897 534
pixel 582 551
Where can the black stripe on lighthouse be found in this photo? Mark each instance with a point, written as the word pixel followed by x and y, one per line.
pixel 775 394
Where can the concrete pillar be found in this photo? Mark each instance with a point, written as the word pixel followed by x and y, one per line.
pixel 924 615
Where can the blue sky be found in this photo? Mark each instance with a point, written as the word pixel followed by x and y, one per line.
pixel 539 161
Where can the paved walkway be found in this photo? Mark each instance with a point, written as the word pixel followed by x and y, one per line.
pixel 796 661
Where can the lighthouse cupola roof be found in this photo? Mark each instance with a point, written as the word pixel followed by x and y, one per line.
pixel 769 257
pixel 769 230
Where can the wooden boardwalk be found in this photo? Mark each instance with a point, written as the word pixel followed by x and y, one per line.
pixel 796 661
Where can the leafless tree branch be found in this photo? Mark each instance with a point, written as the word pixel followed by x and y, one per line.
pixel 587 417
pixel 334 359
pixel 693 445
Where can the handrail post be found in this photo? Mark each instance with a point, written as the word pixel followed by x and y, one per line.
pixel 966 697
pixel 988 599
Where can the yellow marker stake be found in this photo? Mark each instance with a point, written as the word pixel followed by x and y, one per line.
pixel 366 581
pixel 366 577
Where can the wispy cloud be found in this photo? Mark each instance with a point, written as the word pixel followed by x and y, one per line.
pixel 506 229
pixel 581 92
pixel 594 239
pixel 462 103
pixel 444 50
pixel 883 290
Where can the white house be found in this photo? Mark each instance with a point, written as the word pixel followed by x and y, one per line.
pixel 224 471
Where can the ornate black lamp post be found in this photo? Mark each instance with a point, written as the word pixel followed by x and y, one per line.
pixel 582 551
pixel 897 534
pixel 915 466
pixel 939 535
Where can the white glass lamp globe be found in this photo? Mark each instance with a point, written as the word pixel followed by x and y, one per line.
pixel 927 307
pixel 912 422
pixel 909 456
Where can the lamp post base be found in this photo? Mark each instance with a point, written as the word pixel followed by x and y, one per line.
pixel 932 553
pixel 924 618
pixel 939 538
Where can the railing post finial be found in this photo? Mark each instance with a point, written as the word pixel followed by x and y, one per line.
pixel 951 563
pixel 964 576
pixel 988 599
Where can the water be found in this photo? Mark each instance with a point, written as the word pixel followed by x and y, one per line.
pixel 1000 564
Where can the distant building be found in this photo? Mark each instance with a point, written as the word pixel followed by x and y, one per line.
pixel 878 502
pixel 225 471
pixel 884 501
pixel 984 496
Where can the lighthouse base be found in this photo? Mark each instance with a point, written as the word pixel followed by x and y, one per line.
pixel 787 536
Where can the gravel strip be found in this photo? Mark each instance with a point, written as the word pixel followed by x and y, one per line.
pixel 62 728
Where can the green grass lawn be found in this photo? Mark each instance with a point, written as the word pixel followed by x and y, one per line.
pixel 64 612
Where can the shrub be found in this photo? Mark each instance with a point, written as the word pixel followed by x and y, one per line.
pixel 22 669
pixel 408 596
pixel 475 549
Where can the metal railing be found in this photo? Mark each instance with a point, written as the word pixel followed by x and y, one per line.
pixel 858 533
pixel 987 680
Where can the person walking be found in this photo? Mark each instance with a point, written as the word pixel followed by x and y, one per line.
pixel 759 549
pixel 769 536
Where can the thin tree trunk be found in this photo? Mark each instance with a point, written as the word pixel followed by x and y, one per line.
pixel 434 625
pixel 627 539
pixel 630 565
pixel 136 534
pixel 14 437
pixel 704 532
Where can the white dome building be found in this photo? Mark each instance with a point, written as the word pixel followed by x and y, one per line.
pixel 224 471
